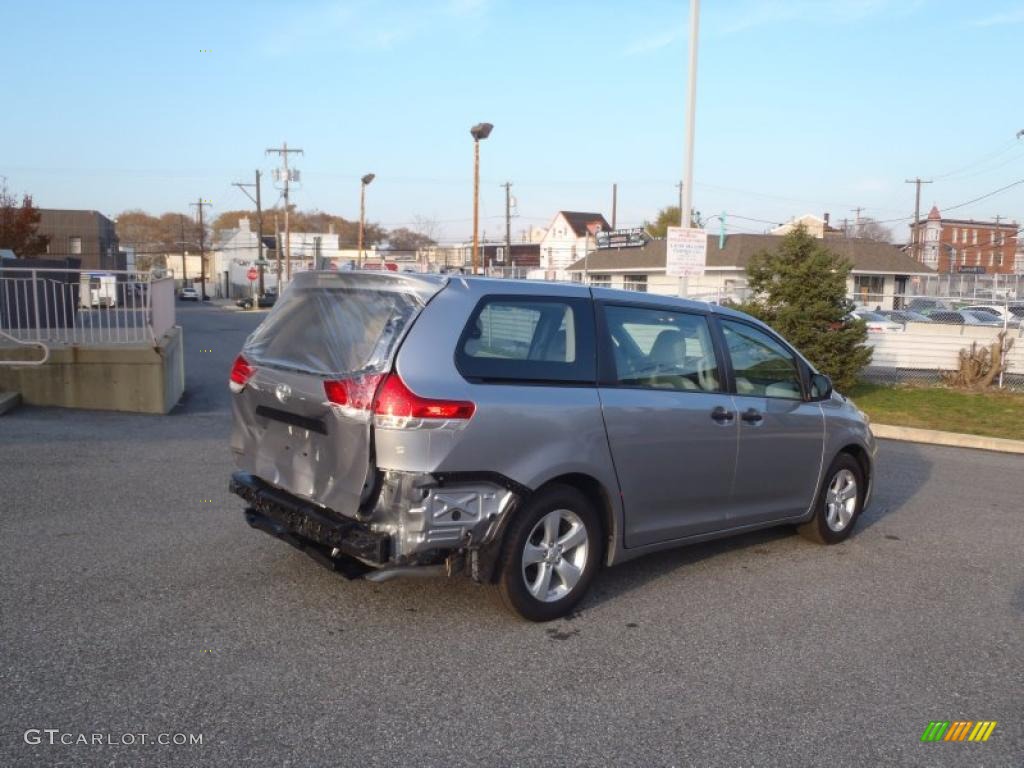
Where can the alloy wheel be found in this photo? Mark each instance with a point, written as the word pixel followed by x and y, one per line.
pixel 555 555
pixel 841 500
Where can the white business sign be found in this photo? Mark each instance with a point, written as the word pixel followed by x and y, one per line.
pixel 686 251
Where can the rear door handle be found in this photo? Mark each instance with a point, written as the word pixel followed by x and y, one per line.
pixel 722 415
pixel 752 416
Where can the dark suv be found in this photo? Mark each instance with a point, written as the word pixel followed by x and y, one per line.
pixel 526 433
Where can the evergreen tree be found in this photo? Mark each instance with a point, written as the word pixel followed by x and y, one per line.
pixel 800 290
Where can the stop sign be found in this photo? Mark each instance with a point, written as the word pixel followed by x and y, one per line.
pixel 253 274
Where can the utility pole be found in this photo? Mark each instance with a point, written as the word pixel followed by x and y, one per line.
pixel 856 221
pixel 283 152
pixel 679 186
pixel 691 117
pixel 277 253
pixel 508 221
pixel 615 203
pixel 259 223
pixel 917 182
pixel 202 248
pixel 184 265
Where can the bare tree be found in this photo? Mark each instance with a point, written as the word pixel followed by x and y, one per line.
pixel 426 226
pixel 869 229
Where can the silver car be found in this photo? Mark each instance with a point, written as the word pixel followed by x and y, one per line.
pixel 527 433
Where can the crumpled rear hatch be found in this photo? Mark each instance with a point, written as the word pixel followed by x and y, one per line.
pixel 308 374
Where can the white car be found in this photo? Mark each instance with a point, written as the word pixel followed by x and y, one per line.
pixel 189 293
pixel 877 323
pixel 1011 317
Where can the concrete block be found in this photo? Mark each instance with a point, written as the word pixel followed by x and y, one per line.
pixel 9 401
pixel 142 378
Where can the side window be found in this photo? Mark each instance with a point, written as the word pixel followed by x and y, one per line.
pixel 662 349
pixel 762 366
pixel 517 338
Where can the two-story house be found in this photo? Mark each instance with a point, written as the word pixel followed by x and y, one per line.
pixel 569 237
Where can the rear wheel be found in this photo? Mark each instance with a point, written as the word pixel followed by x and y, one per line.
pixel 550 554
pixel 839 503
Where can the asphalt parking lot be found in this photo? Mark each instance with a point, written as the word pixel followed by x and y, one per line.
pixel 136 599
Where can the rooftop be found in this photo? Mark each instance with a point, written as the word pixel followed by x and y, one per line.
pixel 865 255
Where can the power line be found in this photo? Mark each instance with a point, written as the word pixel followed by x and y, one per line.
pixel 985 196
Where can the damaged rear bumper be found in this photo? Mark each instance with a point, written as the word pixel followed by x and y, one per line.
pixel 307 527
pixel 416 520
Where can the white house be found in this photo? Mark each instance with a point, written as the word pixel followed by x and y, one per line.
pixel 880 270
pixel 570 236
pixel 816 226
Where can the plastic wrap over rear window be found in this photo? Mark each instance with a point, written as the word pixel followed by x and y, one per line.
pixel 332 329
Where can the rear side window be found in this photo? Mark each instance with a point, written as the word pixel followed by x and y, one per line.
pixel 539 339
pixel 332 330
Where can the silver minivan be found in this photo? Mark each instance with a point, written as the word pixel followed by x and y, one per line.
pixel 526 433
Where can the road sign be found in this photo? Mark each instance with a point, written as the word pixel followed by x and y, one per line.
pixel 686 251
pixel 964 269
pixel 621 238
pixel 253 274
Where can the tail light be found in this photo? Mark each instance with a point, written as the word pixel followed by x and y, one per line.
pixel 353 397
pixel 398 407
pixel 393 404
pixel 241 372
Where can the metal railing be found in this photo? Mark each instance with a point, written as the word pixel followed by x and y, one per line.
pixel 84 307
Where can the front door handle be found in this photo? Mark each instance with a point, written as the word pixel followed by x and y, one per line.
pixel 722 415
pixel 752 416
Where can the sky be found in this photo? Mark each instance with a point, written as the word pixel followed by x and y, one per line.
pixel 802 107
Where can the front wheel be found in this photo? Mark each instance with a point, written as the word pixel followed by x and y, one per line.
pixel 839 503
pixel 551 552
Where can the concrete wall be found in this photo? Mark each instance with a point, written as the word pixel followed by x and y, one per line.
pixel 114 377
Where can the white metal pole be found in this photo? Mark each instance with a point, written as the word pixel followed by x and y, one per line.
pixel 691 107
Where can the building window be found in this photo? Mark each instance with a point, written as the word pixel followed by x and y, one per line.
pixel 500 255
pixel 635 283
pixel 868 289
pixel 997 259
pixel 974 237
pixel 601 281
pixel 954 235
pixel 75 245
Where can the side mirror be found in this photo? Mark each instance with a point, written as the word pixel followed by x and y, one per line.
pixel 821 386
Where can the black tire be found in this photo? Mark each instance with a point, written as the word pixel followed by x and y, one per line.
pixel 818 529
pixel 512 576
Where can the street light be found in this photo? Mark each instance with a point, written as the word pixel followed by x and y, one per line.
pixel 478 132
pixel 362 212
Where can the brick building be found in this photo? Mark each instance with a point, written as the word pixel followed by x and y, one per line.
pixel 965 245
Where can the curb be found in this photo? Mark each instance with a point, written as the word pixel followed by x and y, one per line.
pixel 954 439
pixel 9 401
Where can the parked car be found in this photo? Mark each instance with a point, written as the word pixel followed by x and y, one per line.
pixel 925 305
pixel 268 299
pixel 527 433
pixel 904 316
pixel 964 317
pixel 188 293
pixel 997 311
pixel 876 322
